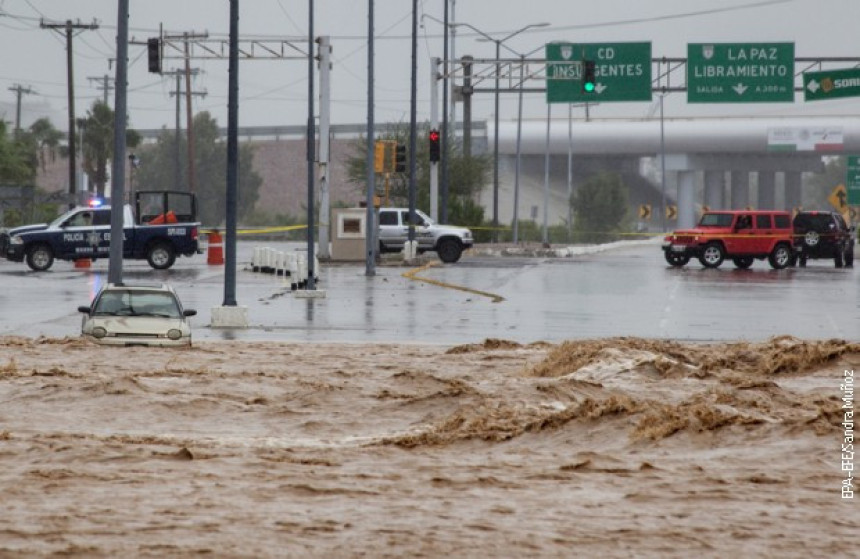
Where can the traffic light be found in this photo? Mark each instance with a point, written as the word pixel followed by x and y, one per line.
pixel 588 78
pixel 400 158
pixel 435 152
pixel 379 157
pixel 153 51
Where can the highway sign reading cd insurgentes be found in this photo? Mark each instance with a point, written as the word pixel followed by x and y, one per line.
pixel 622 72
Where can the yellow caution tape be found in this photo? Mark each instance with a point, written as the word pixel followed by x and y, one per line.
pixel 412 275
pixel 271 230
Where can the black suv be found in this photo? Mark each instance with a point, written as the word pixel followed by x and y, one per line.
pixel 823 235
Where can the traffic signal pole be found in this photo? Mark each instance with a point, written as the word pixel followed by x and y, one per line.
pixel 434 125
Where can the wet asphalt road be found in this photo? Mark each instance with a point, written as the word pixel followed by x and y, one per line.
pixel 623 291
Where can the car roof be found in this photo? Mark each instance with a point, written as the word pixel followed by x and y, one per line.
pixel 138 286
pixel 817 212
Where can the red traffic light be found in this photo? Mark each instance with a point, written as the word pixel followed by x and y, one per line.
pixel 435 151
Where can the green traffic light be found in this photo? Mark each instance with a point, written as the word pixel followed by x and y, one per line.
pixel 589 87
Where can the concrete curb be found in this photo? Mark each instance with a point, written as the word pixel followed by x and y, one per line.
pixel 559 252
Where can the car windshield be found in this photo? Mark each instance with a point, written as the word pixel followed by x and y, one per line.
pixel 716 220
pixel 124 302
pixel 427 220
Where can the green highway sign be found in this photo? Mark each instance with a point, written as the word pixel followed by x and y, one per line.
pixel 622 72
pixel 740 73
pixel 852 180
pixel 831 84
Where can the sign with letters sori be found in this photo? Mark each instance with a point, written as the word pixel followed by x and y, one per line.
pixel 622 72
pixel 740 73
pixel 831 84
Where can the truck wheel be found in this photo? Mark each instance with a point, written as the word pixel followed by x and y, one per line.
pixel 40 258
pixel 676 259
pixel 161 256
pixel 839 259
pixel 743 262
pixel 712 255
pixel 449 251
pixel 780 257
pixel 849 256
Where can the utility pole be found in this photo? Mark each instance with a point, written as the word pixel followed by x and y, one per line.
pixel 189 116
pixel 177 177
pixel 19 90
pixel 69 28
pixel 105 85
pixel 325 113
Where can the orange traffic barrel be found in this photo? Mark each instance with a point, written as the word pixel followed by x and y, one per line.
pixel 82 262
pixel 215 255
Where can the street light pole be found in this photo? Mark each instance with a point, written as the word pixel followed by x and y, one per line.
pixel 496 149
pixel 499 43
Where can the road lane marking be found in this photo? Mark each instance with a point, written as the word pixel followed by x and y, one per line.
pixel 413 275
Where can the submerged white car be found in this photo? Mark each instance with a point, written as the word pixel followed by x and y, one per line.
pixel 124 314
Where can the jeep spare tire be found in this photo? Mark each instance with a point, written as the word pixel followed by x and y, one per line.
pixel 811 238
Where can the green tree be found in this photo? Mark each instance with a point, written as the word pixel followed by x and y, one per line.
pixel 821 185
pixel 48 139
pixel 18 157
pixel 600 208
pixel 467 177
pixel 97 144
pixel 158 164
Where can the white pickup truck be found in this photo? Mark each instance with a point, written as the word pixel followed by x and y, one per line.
pixel 447 241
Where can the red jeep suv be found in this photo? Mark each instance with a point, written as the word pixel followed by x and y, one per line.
pixel 742 235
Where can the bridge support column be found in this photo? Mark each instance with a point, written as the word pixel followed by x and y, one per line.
pixel 715 184
pixel 740 195
pixel 766 190
pixel 686 199
pixel 793 190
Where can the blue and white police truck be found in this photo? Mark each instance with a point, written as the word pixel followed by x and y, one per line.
pixel 160 226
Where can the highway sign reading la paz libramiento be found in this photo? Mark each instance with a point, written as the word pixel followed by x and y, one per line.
pixel 622 72
pixel 831 84
pixel 740 72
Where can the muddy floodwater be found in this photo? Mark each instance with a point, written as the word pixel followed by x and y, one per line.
pixel 621 447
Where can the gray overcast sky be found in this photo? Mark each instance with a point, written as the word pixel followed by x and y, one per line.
pixel 274 92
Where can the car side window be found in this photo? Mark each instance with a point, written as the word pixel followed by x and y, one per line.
pixel 762 222
pixel 388 218
pixel 782 221
pixel 102 217
pixel 744 222
pixel 81 219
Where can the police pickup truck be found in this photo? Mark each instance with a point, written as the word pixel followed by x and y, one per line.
pixel 161 226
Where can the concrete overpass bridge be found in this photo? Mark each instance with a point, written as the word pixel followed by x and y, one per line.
pixel 725 163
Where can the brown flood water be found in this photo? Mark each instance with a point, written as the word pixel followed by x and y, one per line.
pixel 607 448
